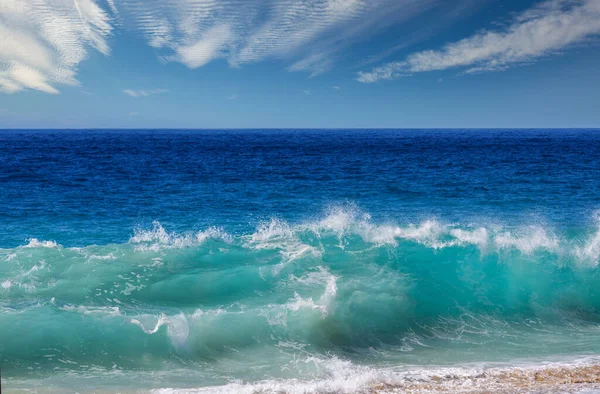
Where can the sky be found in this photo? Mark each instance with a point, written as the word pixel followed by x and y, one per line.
pixel 299 64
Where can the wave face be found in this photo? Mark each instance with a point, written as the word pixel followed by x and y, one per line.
pixel 294 296
pixel 297 261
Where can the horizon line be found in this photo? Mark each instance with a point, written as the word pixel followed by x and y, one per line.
pixel 288 128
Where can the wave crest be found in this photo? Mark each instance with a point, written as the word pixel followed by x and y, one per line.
pixel 158 238
pixel 35 243
pixel 346 226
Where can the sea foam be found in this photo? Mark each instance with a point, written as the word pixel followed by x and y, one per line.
pixel 35 243
pixel 296 240
pixel 572 375
pixel 158 238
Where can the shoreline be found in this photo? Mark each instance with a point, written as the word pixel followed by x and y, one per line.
pixel 550 378
pixel 508 380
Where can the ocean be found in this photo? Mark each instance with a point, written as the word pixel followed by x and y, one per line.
pixel 297 261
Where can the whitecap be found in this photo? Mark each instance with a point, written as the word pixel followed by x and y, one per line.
pixel 279 235
pixel 158 238
pixel 528 240
pixel 347 220
pixel 35 243
pixel 590 250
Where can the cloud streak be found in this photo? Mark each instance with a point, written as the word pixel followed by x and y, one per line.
pixel 144 93
pixel 308 33
pixel 43 41
pixel 541 31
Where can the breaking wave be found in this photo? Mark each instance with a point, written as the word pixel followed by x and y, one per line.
pixel 342 288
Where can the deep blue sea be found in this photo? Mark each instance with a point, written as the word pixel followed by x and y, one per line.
pixel 294 260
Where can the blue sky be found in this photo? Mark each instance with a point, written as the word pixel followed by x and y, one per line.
pixel 299 63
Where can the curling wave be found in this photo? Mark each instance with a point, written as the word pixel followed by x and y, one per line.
pixel 342 287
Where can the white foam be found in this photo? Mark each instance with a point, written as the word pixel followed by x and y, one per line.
pixel 158 238
pixel 90 310
pixel 477 237
pixel 426 231
pixel 34 269
pixel 130 288
pixel 344 377
pixel 341 219
pixel 213 233
pixel 318 277
pixel 278 314
pixel 590 250
pixel 271 234
pixel 300 303
pixel 347 220
pixel 324 304
pixel 199 313
pixel 328 296
pixel 528 240
pixel 35 243
pixel 177 326
pixel 105 257
pixel 28 280
pixel 278 235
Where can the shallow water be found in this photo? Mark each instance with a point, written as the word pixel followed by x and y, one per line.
pixel 319 261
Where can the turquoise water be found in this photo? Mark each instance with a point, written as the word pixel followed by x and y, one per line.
pixel 315 261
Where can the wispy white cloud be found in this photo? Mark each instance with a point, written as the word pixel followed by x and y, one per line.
pixel 211 45
pixel 308 33
pixel 43 41
pixel 316 63
pixel 233 97
pixel 387 71
pixel 144 93
pixel 542 30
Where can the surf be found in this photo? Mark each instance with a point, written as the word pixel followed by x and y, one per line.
pixel 341 285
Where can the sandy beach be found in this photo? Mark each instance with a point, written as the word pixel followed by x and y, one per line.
pixel 584 379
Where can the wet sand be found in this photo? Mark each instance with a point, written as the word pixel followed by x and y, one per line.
pixel 581 379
